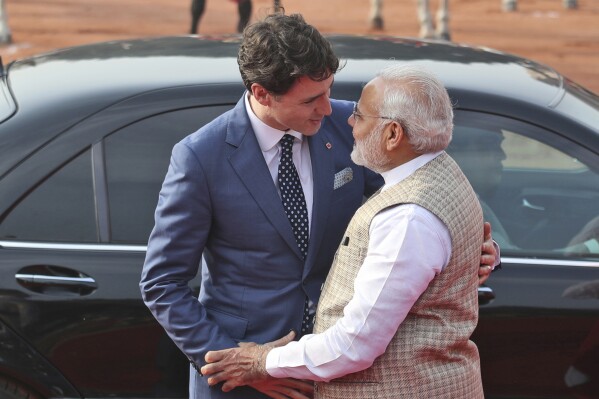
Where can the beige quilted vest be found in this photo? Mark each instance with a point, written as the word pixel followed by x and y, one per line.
pixel 431 355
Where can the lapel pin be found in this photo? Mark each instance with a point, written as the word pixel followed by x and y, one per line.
pixel 329 146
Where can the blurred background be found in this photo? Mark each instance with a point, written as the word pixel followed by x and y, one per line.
pixel 543 30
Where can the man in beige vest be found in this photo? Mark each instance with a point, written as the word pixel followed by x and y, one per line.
pixel 400 302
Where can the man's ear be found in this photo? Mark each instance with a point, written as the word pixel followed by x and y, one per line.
pixel 394 135
pixel 261 94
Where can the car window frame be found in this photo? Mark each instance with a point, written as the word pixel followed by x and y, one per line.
pixel 90 131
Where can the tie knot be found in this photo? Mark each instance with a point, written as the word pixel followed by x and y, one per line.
pixel 287 142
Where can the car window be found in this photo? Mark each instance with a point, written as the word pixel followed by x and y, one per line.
pixel 536 189
pixel 518 150
pixel 60 209
pixel 137 158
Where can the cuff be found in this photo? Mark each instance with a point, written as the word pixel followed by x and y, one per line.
pixel 272 362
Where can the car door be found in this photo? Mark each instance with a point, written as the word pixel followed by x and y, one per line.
pixel 539 336
pixel 73 245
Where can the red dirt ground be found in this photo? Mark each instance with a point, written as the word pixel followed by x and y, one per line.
pixel 542 30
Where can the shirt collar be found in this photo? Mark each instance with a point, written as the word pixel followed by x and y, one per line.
pixel 268 137
pixel 401 172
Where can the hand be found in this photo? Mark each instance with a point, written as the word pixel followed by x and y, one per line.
pixel 487 259
pixel 245 365
pixel 285 388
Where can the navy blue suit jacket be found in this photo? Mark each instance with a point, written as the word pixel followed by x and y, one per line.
pixel 219 199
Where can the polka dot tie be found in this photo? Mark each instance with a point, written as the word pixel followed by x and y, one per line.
pixel 292 195
pixel 308 319
pixel 294 204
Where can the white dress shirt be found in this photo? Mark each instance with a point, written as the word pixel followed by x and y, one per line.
pixel 408 246
pixel 268 139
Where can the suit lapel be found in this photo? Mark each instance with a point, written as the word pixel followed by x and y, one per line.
pixel 248 162
pixel 323 172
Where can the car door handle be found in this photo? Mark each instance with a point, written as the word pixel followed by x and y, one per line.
pixel 83 282
pixel 55 280
pixel 485 295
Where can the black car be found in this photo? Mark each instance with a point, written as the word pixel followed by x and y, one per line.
pixel 85 141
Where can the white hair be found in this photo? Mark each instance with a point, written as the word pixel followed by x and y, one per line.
pixel 416 99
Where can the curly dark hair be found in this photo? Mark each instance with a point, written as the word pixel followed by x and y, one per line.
pixel 277 50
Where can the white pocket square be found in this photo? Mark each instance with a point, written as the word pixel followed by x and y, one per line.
pixel 343 177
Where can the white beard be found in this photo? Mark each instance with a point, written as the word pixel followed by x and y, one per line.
pixel 368 152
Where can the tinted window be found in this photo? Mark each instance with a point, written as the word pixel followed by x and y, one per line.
pixel 61 209
pixel 537 189
pixel 137 159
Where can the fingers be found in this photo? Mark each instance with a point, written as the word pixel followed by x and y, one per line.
pixel 230 381
pixel 484 270
pixel 283 340
pixel 289 394
pixel 301 385
pixel 295 392
pixel 286 388
pixel 216 378
pixel 218 371
pixel 488 248
pixel 209 369
pixel 275 395
pixel 483 279
pixel 487 231
pixel 217 360
pixel 215 356
pixel 229 385
pixel 298 395
pixel 487 259
pixel 489 253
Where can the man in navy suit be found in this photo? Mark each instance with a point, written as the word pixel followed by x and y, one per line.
pixel 220 198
